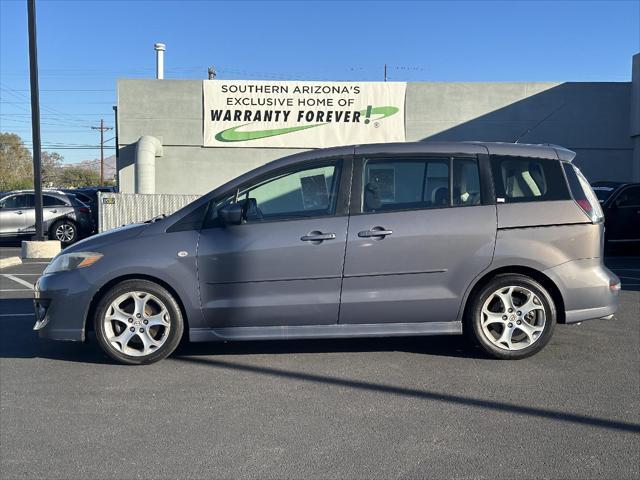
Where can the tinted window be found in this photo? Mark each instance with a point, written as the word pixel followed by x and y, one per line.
pixel 629 197
pixel 12 202
pixel 83 198
pixel 28 200
pixel 520 179
pixel 51 201
pixel 405 184
pixel 466 182
pixel 24 200
pixel 603 193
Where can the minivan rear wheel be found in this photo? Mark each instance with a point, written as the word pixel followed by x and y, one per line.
pixel 138 322
pixel 512 317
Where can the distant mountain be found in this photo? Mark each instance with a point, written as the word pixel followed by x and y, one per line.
pixel 109 166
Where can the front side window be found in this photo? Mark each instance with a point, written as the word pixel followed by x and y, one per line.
pixel 522 179
pixel 24 200
pixel 304 193
pixel 12 202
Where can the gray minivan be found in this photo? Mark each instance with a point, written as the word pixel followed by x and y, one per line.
pixel 498 241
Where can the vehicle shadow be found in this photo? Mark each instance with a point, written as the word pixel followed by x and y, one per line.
pixel 18 340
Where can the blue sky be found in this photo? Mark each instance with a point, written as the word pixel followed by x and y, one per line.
pixel 84 46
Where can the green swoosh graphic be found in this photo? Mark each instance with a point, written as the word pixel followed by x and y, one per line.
pixel 384 111
pixel 233 135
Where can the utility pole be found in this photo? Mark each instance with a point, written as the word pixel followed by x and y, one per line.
pixel 102 129
pixel 385 72
pixel 35 119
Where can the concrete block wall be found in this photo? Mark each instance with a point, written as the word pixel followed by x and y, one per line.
pixel 594 119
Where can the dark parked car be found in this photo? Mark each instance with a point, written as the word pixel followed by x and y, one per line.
pixel 89 196
pixel 621 205
pixel 65 217
pixel 499 241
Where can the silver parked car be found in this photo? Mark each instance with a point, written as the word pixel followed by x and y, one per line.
pixel 498 241
pixel 65 217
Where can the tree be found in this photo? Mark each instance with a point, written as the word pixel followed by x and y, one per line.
pixel 16 164
pixel 51 165
pixel 75 177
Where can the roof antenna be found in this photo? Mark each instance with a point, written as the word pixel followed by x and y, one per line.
pixel 539 123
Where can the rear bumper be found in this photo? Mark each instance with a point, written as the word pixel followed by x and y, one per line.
pixel 589 289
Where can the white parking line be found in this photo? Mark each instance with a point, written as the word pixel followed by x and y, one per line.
pixel 18 280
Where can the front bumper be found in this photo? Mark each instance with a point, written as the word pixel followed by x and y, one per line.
pixel 61 302
pixel 589 289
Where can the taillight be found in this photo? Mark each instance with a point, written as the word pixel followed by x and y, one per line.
pixel 84 210
pixel 583 193
pixel 585 205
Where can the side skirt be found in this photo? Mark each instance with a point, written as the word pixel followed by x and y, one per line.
pixel 324 331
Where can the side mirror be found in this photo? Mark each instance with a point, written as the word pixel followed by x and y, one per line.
pixel 231 214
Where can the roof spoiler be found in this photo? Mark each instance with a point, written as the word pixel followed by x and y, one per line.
pixel 563 153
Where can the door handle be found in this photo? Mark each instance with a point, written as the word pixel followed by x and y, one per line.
pixel 375 232
pixel 317 237
pixel 19 212
pixel 53 211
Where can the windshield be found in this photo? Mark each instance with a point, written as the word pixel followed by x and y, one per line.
pixel 603 193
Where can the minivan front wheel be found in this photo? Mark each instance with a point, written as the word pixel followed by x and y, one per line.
pixel 512 317
pixel 138 322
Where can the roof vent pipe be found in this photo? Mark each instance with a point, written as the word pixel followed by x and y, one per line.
pixel 160 48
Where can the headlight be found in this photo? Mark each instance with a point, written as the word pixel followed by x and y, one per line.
pixel 71 261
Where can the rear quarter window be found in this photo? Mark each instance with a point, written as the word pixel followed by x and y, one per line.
pixel 523 179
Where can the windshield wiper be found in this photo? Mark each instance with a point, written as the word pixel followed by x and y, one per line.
pixel 156 218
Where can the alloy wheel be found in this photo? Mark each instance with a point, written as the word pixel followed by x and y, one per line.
pixel 65 232
pixel 513 318
pixel 137 323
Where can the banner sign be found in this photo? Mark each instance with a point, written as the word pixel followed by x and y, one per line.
pixel 242 113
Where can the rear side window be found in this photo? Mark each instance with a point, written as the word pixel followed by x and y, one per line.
pixel 405 184
pixel 51 201
pixel 466 182
pixel 411 183
pixel 522 179
pixel 27 200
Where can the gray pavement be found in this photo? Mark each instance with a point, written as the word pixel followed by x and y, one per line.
pixel 388 408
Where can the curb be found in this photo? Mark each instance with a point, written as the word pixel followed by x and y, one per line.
pixel 10 262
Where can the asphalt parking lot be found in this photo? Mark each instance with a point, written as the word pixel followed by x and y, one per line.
pixel 395 408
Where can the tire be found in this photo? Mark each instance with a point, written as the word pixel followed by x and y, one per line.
pixel 518 333
pixel 147 308
pixel 65 231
